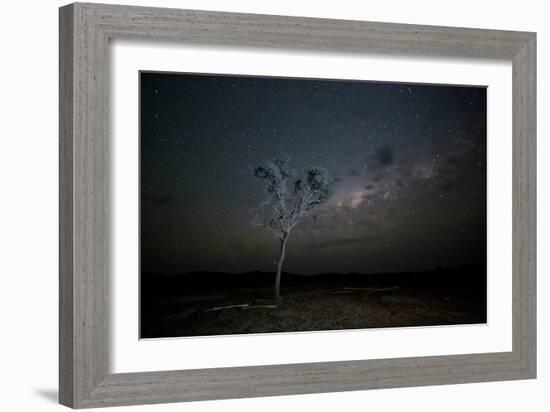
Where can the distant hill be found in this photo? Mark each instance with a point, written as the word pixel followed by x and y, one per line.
pixel 471 277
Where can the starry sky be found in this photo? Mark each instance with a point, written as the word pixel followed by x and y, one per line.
pixel 408 162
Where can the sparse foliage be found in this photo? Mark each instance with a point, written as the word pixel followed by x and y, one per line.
pixel 284 207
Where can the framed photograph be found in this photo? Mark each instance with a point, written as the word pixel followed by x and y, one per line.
pixel 257 205
pixel 385 227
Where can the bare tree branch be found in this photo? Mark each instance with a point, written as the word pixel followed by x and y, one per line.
pixel 284 208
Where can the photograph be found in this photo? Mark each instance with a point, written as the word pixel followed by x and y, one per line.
pixel 285 205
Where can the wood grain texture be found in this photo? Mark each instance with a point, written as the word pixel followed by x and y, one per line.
pixel 66 229
pixel 524 125
pixel 85 31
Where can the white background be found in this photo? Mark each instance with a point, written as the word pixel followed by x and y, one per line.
pixel 28 169
pixel 132 355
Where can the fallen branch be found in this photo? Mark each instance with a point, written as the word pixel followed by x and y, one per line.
pixel 261 306
pixel 364 291
pixel 215 309
pixel 371 289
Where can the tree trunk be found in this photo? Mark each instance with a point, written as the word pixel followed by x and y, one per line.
pixel 277 293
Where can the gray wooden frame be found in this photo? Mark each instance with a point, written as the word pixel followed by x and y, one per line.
pixel 85 31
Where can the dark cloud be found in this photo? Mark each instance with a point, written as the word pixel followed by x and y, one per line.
pixel 449 185
pixel 343 242
pixel 384 156
pixel 377 177
pixel 453 160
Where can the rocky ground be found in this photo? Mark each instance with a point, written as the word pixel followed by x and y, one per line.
pixel 314 304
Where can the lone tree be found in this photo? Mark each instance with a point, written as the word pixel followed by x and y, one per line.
pixel 284 207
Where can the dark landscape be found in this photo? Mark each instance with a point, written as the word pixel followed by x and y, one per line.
pixel 200 304
pixel 272 204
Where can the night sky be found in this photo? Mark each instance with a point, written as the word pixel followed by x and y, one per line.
pixel 409 163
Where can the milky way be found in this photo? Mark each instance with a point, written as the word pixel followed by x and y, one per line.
pixel 409 163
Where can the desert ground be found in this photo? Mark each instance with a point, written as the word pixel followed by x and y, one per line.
pixel 201 304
